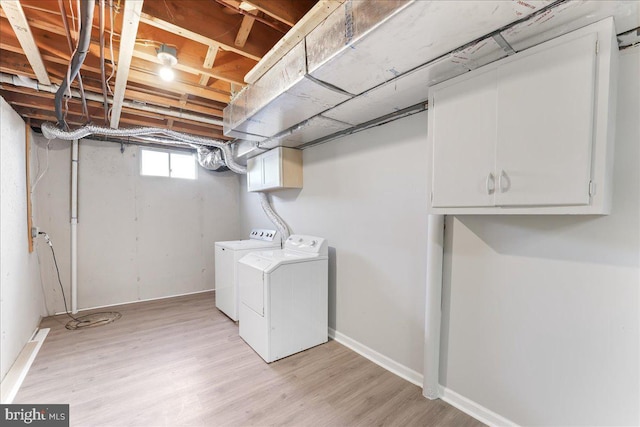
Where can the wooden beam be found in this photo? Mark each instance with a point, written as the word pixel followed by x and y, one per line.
pixel 136 96
pixel 206 23
pixel 18 20
pixel 130 21
pixel 315 16
pixel 188 60
pixel 187 63
pixel 191 35
pixel 245 29
pixel 212 52
pixel 254 13
pixel 287 11
pixel 91 64
pixel 76 119
pixel 34 102
pixel 176 86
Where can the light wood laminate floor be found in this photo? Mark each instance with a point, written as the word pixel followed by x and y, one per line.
pixel 180 362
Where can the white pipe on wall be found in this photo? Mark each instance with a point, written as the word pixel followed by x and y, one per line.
pixel 433 306
pixel 74 225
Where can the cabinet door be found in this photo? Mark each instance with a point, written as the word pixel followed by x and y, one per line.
pixel 271 169
pixel 254 174
pixel 545 120
pixel 463 126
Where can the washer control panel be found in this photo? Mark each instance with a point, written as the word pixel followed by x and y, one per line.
pixel 307 244
pixel 262 234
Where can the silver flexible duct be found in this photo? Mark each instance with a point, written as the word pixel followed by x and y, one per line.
pixel 210 158
pixel 50 131
pixel 273 217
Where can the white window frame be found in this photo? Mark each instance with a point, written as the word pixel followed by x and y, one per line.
pixel 169 152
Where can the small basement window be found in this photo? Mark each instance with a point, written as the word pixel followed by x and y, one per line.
pixel 171 164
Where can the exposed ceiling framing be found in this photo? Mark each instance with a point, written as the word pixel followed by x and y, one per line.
pixel 217 41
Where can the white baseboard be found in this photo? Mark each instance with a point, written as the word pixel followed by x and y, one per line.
pixel 378 358
pixel 474 409
pixel 141 300
pixel 16 375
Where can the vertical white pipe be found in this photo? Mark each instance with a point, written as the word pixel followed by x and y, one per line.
pixel 74 225
pixel 433 306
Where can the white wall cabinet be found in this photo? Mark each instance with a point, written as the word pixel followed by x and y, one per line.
pixel 532 133
pixel 276 169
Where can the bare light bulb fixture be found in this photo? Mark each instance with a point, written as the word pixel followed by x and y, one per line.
pixel 168 57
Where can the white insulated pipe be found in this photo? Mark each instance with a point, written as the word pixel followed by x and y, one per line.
pixel 433 306
pixel 74 227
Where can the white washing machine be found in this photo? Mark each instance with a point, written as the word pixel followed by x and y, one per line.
pixel 284 297
pixel 227 255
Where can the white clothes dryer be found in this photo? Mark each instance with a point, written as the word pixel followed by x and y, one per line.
pixel 227 255
pixel 284 297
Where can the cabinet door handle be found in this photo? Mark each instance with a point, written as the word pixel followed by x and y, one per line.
pixel 504 182
pixel 491 183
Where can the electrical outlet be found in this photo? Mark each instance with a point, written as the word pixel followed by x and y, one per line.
pixel 34 232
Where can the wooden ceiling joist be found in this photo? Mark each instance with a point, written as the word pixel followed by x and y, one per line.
pixel 218 42
pixel 209 60
pixel 14 13
pixel 232 67
pixel 131 19
pixel 245 29
pixel 205 23
pixel 136 97
pixel 286 11
pixel 177 86
pixel 11 62
pixel 29 98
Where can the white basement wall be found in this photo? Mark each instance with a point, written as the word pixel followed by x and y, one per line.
pixel 20 292
pixel 139 237
pixel 541 314
pixel 367 195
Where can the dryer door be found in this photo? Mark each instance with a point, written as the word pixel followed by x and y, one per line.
pixel 251 282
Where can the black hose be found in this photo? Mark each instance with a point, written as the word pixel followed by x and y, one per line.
pixel 86 22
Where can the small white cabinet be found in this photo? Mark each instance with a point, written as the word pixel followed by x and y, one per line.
pixel 532 133
pixel 276 169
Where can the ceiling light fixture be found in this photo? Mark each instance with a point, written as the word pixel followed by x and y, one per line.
pixel 168 57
